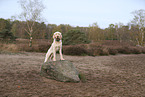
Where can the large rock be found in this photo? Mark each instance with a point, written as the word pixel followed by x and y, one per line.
pixel 60 70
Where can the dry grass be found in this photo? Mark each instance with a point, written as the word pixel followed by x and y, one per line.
pixel 9 48
pixel 104 76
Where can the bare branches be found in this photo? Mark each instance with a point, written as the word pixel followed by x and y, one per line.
pixel 139 21
pixel 32 10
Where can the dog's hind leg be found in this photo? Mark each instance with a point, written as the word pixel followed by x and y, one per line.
pixel 60 52
pixel 51 56
pixel 47 55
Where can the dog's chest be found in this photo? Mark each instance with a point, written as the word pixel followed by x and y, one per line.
pixel 57 47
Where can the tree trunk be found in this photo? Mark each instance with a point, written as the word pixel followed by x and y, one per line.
pixel 137 42
pixel 142 38
pixel 30 41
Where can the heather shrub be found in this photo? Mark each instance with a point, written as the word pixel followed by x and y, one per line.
pixel 112 51
pixel 25 47
pixel 124 50
pixel 117 43
pixel 103 51
pixel 143 50
pixel 34 48
pixel 43 47
pixel 92 50
pixel 136 50
pixel 74 50
pixel 96 50
pixel 129 50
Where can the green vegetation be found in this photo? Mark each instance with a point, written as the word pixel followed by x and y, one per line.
pixel 6 34
pixel 82 77
pixel 74 36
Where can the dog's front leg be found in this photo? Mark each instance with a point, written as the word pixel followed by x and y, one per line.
pixel 60 52
pixel 54 54
pixel 47 55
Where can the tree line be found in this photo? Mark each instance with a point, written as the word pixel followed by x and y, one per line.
pixel 133 31
pixel 30 26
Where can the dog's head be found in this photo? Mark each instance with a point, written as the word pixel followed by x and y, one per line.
pixel 57 36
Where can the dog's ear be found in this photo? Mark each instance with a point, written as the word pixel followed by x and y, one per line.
pixel 53 36
pixel 60 36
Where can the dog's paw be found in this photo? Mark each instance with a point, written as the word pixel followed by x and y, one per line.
pixel 54 59
pixel 62 59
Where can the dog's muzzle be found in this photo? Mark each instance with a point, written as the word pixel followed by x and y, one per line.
pixel 57 39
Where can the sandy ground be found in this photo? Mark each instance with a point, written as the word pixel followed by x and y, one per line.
pixel 115 76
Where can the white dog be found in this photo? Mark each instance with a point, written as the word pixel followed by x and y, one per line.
pixel 56 45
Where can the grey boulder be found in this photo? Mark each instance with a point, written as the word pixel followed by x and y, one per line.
pixel 63 71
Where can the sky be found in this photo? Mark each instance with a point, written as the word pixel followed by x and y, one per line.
pixel 79 12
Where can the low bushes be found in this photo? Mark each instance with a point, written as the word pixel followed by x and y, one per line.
pixel 25 47
pixel 136 50
pixel 112 51
pixel 129 50
pixel 74 50
pixel 34 48
pixel 100 50
pixel 44 48
pixel 143 50
pixel 92 49
pixel 124 50
pixel 95 50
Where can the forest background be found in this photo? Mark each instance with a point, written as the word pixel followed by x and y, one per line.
pixel 132 34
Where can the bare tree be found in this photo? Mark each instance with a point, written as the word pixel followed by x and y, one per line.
pixel 31 13
pixel 139 21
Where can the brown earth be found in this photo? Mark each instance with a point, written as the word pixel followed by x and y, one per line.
pixel 115 76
